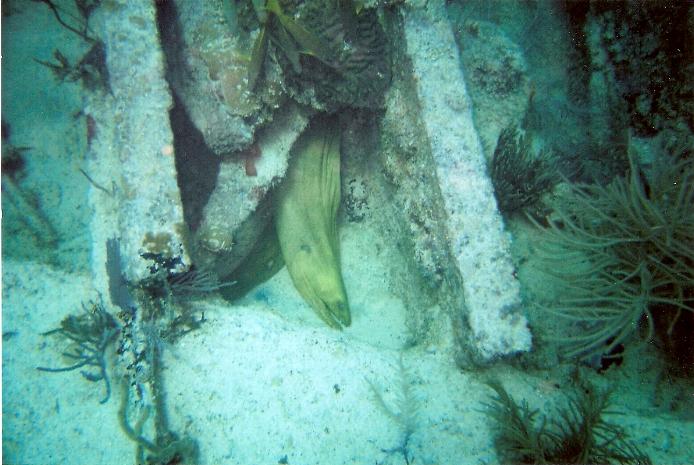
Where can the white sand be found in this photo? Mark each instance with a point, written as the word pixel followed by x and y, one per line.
pixel 266 379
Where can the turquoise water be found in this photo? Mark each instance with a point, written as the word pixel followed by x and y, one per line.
pixel 347 232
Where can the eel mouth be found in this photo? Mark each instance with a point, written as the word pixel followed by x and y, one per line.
pixel 336 314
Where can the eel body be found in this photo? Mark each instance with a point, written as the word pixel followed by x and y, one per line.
pixel 306 222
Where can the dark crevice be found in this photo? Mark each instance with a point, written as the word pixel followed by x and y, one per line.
pixel 197 166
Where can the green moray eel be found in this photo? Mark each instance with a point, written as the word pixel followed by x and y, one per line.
pixel 261 264
pixel 306 222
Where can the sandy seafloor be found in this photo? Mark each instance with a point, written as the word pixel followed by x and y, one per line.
pixel 264 381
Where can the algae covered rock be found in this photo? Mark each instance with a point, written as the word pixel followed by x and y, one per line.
pixel 207 65
pixel 233 217
pixel 496 76
pixel 331 53
pixel 358 73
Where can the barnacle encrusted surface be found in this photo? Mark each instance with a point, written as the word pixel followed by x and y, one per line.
pixel 358 71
